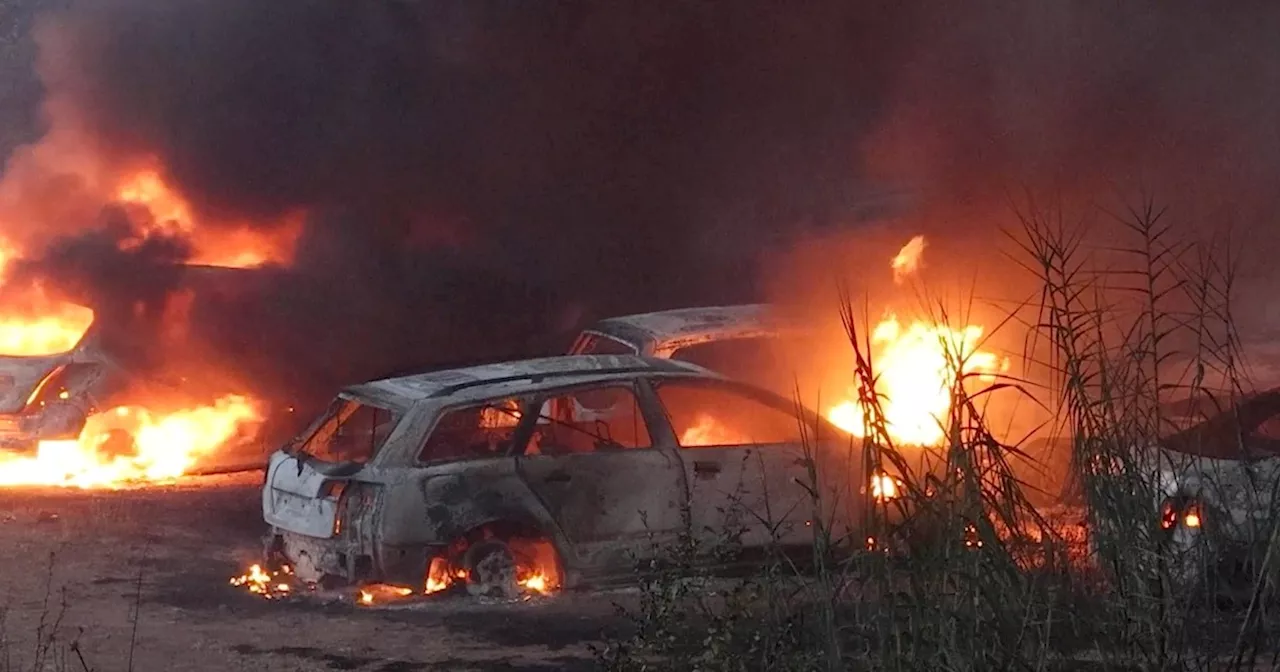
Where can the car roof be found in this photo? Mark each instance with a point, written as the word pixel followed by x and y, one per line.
pixel 670 329
pixel 522 377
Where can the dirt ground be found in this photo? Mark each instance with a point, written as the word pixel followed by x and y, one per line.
pixel 76 564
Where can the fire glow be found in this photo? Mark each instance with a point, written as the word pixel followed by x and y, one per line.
pixel 169 214
pixel 42 326
pixel 270 585
pixel 129 445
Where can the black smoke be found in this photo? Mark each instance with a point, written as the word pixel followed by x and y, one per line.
pixel 482 176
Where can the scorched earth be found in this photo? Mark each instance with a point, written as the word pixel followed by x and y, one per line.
pixel 142 574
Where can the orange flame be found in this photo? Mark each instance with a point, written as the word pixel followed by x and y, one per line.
pixel 883 487
pixel 917 374
pixel 710 432
pixel 129 445
pixel 169 212
pixel 916 368
pixel 381 592
pixel 538 583
pixel 42 326
pixel 269 585
pixel 230 246
pixel 907 261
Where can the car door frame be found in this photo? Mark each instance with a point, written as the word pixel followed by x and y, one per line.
pixel 602 551
pixel 737 462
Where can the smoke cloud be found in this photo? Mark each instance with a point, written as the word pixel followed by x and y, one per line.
pixel 478 178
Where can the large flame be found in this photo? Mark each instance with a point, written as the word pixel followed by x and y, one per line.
pixel 34 324
pixel 227 244
pixel 129 445
pixel 916 366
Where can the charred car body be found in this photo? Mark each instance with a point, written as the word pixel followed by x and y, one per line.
pixel 605 457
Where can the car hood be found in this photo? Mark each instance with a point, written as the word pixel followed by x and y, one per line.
pixel 1246 432
pixel 19 377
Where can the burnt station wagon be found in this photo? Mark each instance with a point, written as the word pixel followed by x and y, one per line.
pixel 606 458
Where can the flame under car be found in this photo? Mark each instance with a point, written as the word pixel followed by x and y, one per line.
pixel 604 459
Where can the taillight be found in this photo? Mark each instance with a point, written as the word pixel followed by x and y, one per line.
pixel 1168 515
pixel 332 489
pixel 1191 516
pixel 353 500
pixel 1183 511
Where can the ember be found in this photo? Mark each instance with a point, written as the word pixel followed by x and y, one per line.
pixel 269 585
pixel 907 261
pixel 157 447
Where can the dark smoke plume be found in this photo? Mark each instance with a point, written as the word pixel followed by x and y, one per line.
pixel 479 176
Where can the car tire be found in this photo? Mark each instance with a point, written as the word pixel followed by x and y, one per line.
pixel 491 570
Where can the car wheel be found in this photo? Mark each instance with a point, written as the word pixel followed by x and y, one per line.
pixel 491 570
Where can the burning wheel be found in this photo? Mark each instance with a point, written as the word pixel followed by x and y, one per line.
pixel 491 570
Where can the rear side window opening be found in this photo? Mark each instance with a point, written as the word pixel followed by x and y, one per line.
pixel 351 432
pixel 771 362
pixel 471 432
pixel 707 415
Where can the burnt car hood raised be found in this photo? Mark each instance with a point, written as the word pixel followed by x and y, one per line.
pixel 1249 431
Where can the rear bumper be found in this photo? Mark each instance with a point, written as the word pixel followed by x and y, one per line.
pixel 315 560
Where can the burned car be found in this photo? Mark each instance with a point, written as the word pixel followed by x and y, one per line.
pixel 599 460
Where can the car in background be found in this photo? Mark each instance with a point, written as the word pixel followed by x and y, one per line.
pixel 755 343
pixel 1217 485
pixel 463 474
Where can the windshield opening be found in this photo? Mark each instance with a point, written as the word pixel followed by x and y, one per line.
pixel 351 431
